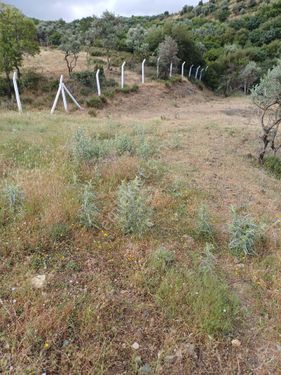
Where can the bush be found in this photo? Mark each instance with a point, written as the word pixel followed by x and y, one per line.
pixel 129 89
pixel 133 211
pixel 244 234
pixel 124 144
pixel 89 213
pixel 97 102
pixel 273 165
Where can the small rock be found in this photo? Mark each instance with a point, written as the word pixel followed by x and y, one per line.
pixel 38 281
pixel 135 346
pixel 236 343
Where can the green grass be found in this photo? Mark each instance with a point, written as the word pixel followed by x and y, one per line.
pixel 273 165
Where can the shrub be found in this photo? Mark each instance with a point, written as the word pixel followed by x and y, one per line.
pixel 89 212
pixel 84 148
pixel 204 227
pixel 124 144
pixel 145 150
pixel 129 89
pixel 244 234
pixel 81 146
pixel 273 165
pixel 97 102
pixel 133 211
pixel 14 197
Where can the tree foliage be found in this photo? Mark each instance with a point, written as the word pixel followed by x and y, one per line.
pixel 17 38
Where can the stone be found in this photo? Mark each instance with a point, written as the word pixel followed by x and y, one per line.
pixel 135 346
pixel 39 281
pixel 236 343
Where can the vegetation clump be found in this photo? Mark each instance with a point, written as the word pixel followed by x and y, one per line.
pixel 89 212
pixel 244 234
pixel 133 210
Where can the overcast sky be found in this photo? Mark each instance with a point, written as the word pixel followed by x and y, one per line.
pixel 71 9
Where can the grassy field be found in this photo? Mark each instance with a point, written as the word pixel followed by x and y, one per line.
pixel 120 250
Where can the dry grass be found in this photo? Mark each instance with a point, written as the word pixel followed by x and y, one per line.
pixel 102 292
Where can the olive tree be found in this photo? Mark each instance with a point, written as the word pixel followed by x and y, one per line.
pixel 168 53
pixel 267 96
pixel 136 40
pixel 249 75
pixel 17 38
pixel 71 46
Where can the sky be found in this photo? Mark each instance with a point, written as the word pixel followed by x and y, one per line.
pixel 71 9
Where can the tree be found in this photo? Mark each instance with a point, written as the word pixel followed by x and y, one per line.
pixel 17 38
pixel 168 51
pixel 249 75
pixel 136 40
pixel 267 96
pixel 109 28
pixel 71 46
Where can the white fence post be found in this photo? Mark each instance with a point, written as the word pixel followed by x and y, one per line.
pixel 200 78
pixel 182 69
pixel 17 92
pixel 197 71
pixel 157 73
pixel 98 82
pixel 62 90
pixel 142 71
pixel 57 96
pixel 190 70
pixel 171 69
pixel 122 74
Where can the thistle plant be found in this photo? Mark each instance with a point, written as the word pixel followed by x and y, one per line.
pixel 244 234
pixel 124 145
pixel 14 197
pixel 89 212
pixel 81 146
pixel 204 226
pixel 133 211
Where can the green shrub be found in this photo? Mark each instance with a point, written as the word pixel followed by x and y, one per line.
pixel 14 197
pixel 85 148
pixel 92 113
pixel 133 211
pixel 129 89
pixel 89 212
pixel 124 144
pixel 244 234
pixel 146 149
pixel 273 165
pixel 31 80
pixel 81 146
pixel 97 102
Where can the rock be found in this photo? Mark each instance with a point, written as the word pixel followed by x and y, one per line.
pixel 135 346
pixel 39 281
pixel 236 343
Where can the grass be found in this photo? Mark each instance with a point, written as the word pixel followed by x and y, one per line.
pixel 124 257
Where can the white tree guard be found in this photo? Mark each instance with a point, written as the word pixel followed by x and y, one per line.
pixel 197 71
pixel 98 82
pixel 17 92
pixel 182 69
pixel 157 71
pixel 190 70
pixel 122 74
pixel 142 71
pixel 171 69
